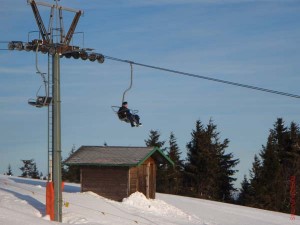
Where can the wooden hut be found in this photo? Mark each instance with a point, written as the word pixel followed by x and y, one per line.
pixel 117 172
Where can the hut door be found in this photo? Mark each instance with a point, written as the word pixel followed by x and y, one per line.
pixel 152 181
pixel 148 180
pixel 142 181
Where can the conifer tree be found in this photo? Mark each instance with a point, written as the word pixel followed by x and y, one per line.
pixel 270 175
pixel 9 171
pixel 209 170
pixel 277 168
pixel 226 179
pixel 154 141
pixel 280 160
pixel 256 169
pixel 27 168
pixel 197 163
pixel 290 167
pixel 255 180
pixel 293 168
pixel 34 173
pixel 245 192
pixel 71 173
pixel 174 173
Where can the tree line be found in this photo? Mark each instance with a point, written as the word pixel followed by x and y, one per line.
pixel 29 170
pixel 208 171
pixel 274 179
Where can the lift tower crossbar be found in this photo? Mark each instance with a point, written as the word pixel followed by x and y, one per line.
pixel 39 21
pixel 72 28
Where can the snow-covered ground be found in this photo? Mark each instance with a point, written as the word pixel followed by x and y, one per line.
pixel 22 201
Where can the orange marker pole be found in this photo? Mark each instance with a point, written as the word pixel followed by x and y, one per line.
pixel 50 200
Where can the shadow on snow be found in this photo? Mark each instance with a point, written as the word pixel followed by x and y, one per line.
pixel 67 187
pixel 30 200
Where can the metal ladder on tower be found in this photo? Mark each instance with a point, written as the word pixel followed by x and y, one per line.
pixel 50 121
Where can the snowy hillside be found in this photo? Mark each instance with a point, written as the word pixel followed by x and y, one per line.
pixel 22 201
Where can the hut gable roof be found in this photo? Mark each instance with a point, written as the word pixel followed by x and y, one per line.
pixel 116 156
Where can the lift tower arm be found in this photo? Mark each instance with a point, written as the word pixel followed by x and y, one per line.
pixel 39 21
pixel 72 28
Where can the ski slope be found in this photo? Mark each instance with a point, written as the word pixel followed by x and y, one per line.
pixel 22 201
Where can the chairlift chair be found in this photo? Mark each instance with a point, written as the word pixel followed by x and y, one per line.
pixel 117 108
pixel 41 100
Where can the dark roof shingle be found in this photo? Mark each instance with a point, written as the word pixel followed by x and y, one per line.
pixel 115 156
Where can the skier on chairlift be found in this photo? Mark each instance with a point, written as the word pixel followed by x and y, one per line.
pixel 125 114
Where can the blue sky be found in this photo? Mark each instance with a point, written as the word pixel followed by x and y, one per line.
pixel 251 42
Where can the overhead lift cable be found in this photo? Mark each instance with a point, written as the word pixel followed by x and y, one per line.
pixel 205 77
pixel 198 76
